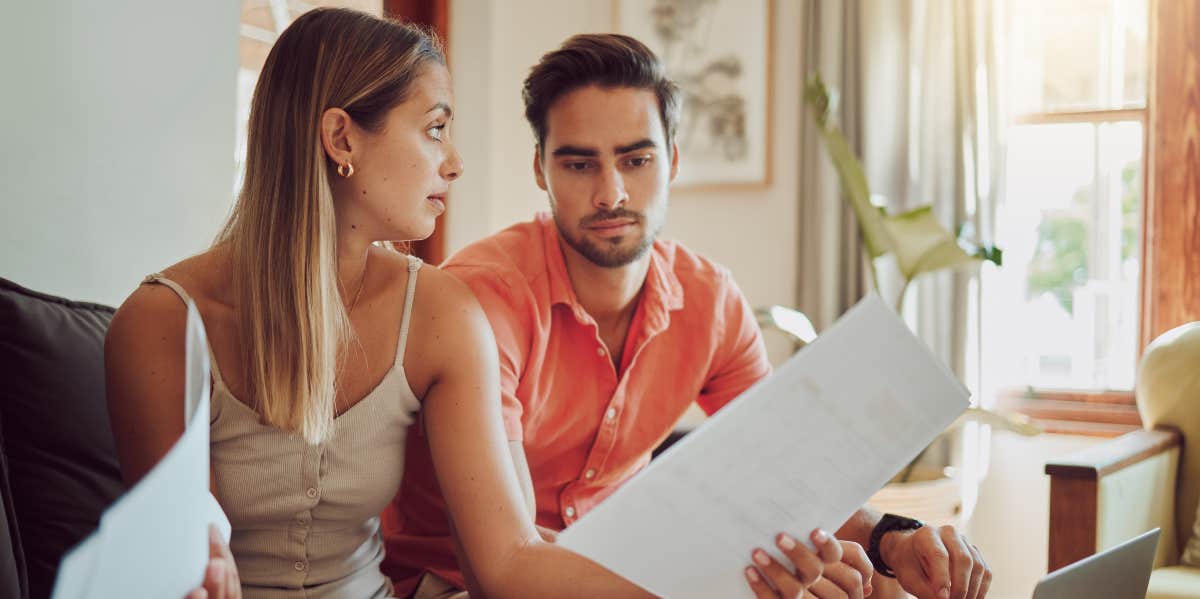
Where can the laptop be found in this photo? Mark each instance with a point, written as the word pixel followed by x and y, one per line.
pixel 1122 572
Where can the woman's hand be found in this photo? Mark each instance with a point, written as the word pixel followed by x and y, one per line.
pixel 220 577
pixel 771 580
pixel 848 579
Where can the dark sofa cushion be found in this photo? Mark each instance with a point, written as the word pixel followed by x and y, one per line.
pixel 62 465
pixel 13 582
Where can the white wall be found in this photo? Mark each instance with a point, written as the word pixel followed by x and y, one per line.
pixel 493 43
pixel 117 155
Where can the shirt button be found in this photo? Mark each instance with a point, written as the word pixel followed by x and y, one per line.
pixel 590 474
pixel 570 512
pixel 299 566
pixel 311 492
pixel 600 351
pixel 610 414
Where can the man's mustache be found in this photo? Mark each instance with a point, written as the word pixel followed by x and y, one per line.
pixel 604 215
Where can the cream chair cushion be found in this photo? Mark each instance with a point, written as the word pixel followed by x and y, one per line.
pixel 1168 394
pixel 1191 553
pixel 1176 582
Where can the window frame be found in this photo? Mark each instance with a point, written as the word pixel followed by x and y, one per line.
pixel 1170 250
pixel 1095 412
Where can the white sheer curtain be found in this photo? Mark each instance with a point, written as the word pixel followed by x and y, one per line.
pixel 933 135
pixel 920 102
pixel 917 81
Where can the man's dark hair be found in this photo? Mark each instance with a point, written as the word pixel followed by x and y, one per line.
pixel 606 60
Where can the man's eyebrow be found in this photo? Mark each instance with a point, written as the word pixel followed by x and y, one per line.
pixel 574 151
pixel 444 106
pixel 637 145
pixel 581 151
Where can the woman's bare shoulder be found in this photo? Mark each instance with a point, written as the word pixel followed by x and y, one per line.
pixel 437 292
pixel 205 276
pixel 445 295
pixel 155 314
pixel 448 325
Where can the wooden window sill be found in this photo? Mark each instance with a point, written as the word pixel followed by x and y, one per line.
pixel 1089 413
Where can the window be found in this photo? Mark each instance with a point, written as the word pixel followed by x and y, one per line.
pixel 1060 319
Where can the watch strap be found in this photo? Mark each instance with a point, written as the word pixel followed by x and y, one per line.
pixel 888 523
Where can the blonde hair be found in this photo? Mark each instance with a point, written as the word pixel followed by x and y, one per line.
pixel 282 234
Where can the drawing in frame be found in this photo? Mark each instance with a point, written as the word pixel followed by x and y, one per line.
pixel 719 52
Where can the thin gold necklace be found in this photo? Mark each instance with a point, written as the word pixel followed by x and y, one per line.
pixel 361 283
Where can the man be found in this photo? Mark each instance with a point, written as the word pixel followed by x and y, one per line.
pixel 607 334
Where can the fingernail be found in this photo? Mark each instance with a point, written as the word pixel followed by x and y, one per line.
pixel 867 590
pixel 820 536
pixel 752 574
pixel 213 535
pixel 760 557
pixel 944 593
pixel 786 542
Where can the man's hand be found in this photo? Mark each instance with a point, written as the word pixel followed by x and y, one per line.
pixel 847 579
pixel 221 576
pixel 936 562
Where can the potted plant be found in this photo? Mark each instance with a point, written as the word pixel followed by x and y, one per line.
pixel 918 244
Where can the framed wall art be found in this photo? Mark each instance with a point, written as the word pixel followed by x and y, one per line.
pixel 719 52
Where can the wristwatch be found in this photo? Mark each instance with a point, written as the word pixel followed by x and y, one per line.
pixel 888 523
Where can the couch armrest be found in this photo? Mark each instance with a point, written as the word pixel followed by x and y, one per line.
pixel 1106 494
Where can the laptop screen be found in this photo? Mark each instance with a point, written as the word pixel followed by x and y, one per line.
pixel 1122 572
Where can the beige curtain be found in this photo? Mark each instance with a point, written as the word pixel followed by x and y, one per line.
pixel 931 86
pixel 832 273
pixel 918 83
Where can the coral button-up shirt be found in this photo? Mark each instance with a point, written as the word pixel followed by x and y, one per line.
pixel 587 426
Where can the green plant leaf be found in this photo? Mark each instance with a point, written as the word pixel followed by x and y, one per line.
pixel 1015 423
pixel 946 255
pixel 922 244
pixel 849 170
pixel 854 184
pixel 817 96
pixel 990 253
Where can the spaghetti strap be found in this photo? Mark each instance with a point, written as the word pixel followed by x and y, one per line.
pixel 183 295
pixel 414 265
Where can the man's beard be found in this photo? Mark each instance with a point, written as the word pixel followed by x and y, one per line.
pixel 609 253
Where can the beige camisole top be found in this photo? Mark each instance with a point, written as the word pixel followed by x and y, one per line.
pixel 306 517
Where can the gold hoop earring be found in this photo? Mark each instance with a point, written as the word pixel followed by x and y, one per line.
pixel 346 171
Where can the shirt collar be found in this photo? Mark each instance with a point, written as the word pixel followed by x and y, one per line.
pixel 661 290
pixel 561 291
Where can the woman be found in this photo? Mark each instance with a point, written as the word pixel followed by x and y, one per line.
pixel 324 345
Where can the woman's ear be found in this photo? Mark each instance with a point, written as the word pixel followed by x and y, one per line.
pixel 336 126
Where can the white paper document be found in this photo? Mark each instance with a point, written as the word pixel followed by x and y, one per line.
pixel 153 542
pixel 802 449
